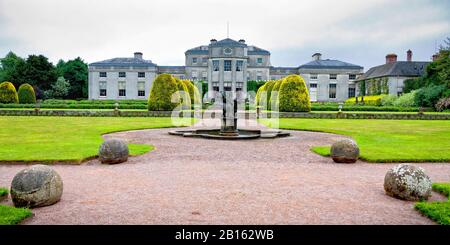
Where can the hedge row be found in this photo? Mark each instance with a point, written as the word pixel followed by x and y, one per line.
pixel 367 100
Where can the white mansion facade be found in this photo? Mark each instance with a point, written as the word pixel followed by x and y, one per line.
pixel 225 65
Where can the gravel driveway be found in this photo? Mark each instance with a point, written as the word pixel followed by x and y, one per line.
pixel 201 181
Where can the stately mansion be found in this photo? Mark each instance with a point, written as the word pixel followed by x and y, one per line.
pixel 226 65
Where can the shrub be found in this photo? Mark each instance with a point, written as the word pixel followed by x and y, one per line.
pixel 261 96
pixel 406 100
pixel 8 93
pixel 185 100
pixel 293 95
pixel 388 100
pixel 274 92
pixel 194 94
pixel 429 96
pixel 374 100
pixel 161 92
pixel 443 104
pixel 26 94
pixel 269 87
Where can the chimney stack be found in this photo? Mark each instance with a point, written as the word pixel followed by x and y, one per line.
pixel 317 56
pixel 213 41
pixel 409 55
pixel 138 55
pixel 242 41
pixel 391 58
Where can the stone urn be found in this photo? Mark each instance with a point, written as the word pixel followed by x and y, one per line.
pixel 407 182
pixel 345 151
pixel 113 151
pixel 36 186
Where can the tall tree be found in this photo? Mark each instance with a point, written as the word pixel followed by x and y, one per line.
pixel 9 69
pixel 76 72
pixel 38 71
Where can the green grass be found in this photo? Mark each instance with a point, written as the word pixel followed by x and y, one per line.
pixel 384 140
pixel 437 211
pixel 321 150
pixel 3 191
pixel 54 139
pixel 137 149
pixel 11 215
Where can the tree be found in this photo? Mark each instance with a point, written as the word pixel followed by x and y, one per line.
pixel 38 71
pixel 59 90
pixel 76 72
pixel 293 95
pixel 160 98
pixel 9 69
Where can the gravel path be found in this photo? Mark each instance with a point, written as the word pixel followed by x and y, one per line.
pixel 200 181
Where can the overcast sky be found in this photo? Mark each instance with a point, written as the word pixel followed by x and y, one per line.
pixel 355 31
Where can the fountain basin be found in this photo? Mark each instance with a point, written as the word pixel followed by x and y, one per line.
pixel 242 134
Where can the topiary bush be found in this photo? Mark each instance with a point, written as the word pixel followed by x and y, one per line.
pixel 269 87
pixel 194 94
pixel 274 92
pixel 160 98
pixel 261 96
pixel 185 100
pixel 26 94
pixel 293 95
pixel 8 93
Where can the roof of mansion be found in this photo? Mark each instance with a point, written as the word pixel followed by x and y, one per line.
pixel 329 64
pixel 399 68
pixel 124 62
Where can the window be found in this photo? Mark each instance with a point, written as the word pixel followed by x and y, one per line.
pixel 227 65
pixel 122 89
pixel 194 75
pixel 102 74
pixel 215 86
pixel 259 60
pixel 239 65
pixel 227 86
pixel 194 60
pixel 332 91
pixel 141 74
pixel 141 88
pixel 204 76
pixel 122 74
pixel 313 76
pixel 333 76
pixel 102 87
pixel 313 85
pixel 204 60
pixel 352 76
pixel 259 78
pixel 351 92
pixel 215 64
pixel 239 86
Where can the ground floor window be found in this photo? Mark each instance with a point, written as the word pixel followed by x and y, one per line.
pixel 122 89
pixel 102 87
pixel 239 86
pixel 332 91
pixel 215 86
pixel 141 88
pixel 227 86
pixel 351 92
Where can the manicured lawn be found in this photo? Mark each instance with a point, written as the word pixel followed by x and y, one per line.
pixel 52 139
pixel 384 140
pixel 437 211
pixel 11 215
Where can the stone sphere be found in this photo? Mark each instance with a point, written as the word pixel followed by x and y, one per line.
pixel 407 182
pixel 345 151
pixel 36 186
pixel 113 151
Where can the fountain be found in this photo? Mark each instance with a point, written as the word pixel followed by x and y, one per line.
pixel 229 129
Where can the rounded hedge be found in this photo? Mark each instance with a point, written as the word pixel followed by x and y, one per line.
pixel 293 95
pixel 261 96
pixel 274 91
pixel 185 99
pixel 26 94
pixel 194 94
pixel 160 98
pixel 269 87
pixel 8 93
